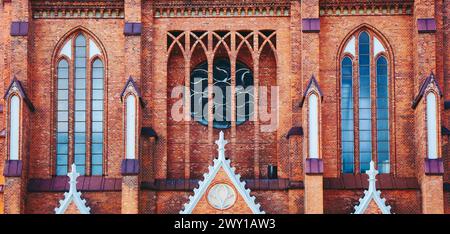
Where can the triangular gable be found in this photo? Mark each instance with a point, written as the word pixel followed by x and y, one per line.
pixel 131 85
pixel 372 196
pixel 429 81
pixel 312 85
pixel 72 199
pixel 221 167
pixel 16 87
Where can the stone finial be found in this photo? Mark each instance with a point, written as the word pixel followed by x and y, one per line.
pixel 73 195
pixel 221 145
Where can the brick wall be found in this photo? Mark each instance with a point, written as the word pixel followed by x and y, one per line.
pixel 185 150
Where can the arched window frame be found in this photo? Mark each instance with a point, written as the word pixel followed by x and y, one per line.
pixel 14 133
pixel 131 143
pixel 353 54
pixel 433 150
pixel 65 50
pixel 313 134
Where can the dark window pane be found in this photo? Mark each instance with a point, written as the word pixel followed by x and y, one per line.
pixel 80 83
pixel 80 116
pixel 80 137
pixel 97 105
pixel 81 169
pixel 97 83
pixel 97 137
pixel 80 41
pixel 365 136
pixel 97 126
pixel 61 170
pixel 63 83
pixel 62 138
pixel 97 94
pixel 61 159
pixel 97 170
pixel 63 73
pixel 63 105
pixel 63 127
pixel 365 146
pixel 80 149
pixel 97 148
pixel 80 105
pixel 62 149
pixel 80 127
pixel 383 135
pixel 97 116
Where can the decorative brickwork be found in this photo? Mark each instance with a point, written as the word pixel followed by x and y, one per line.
pixel 281 43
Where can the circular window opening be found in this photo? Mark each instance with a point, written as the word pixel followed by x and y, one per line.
pixel 221 93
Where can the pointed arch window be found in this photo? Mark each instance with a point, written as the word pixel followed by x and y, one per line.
pixel 432 126
pixel 15 128
pixel 79 109
pixel 364 105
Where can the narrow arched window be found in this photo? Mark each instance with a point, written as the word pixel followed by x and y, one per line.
pixel 97 118
pixel 365 133
pixel 80 106
pixel 347 127
pixel 131 127
pixel 62 119
pixel 382 116
pixel 313 128
pixel 432 137
pixel 365 113
pixel 14 128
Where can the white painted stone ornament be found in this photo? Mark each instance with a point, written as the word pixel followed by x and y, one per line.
pixel 372 194
pixel 73 195
pixel 223 197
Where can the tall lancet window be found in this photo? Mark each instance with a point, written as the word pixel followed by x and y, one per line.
pixel 131 127
pixel 382 116
pixel 365 133
pixel 80 104
pixel 347 123
pixel 313 126
pixel 62 119
pixel 80 107
pixel 97 118
pixel 14 128
pixel 365 112
pixel 432 126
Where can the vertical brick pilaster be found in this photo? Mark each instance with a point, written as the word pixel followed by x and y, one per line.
pixel 310 25
pixel 424 63
pixel 314 194
pixel 133 66
pixel 130 194
pixel 14 189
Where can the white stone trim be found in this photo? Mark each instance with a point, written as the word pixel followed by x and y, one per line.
pixel 372 194
pixel 93 49
pixel 67 49
pixel 377 47
pixel 221 162
pixel 351 46
pixel 73 196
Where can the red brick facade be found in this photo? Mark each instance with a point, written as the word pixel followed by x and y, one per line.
pixel 284 44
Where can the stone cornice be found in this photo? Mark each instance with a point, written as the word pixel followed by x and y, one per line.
pixel 103 9
pixel 365 7
pixel 221 8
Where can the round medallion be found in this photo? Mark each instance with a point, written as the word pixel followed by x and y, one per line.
pixel 221 196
